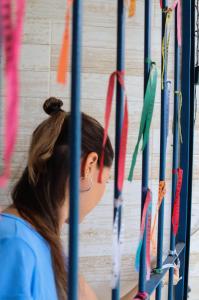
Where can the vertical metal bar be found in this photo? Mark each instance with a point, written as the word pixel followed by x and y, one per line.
pixel 185 124
pixel 119 110
pixel 191 143
pixel 145 158
pixel 175 149
pixel 163 138
pixel 75 146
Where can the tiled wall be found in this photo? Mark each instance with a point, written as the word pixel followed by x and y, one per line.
pixel 43 31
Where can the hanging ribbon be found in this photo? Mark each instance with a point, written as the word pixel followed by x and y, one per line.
pixel 165 42
pixel 165 45
pixel 124 131
pixel 147 113
pixel 117 243
pixel 168 87
pixel 117 235
pixel 161 195
pixel 64 53
pixel 132 8
pixel 148 240
pixel 11 34
pixel 145 223
pixel 141 296
pixel 179 93
pixel 179 21
pixel 176 207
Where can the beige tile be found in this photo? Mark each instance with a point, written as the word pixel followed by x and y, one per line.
pixel 35 58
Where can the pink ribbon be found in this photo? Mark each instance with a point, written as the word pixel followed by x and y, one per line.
pixel 141 296
pixel 12 42
pixel 176 206
pixel 178 4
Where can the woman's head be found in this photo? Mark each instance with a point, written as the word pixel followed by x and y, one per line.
pixel 41 195
pixel 49 159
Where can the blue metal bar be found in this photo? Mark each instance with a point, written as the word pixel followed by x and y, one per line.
pixel 163 139
pixel 145 158
pixel 119 112
pixel 191 143
pixel 177 77
pixel 185 150
pixel 156 279
pixel 75 144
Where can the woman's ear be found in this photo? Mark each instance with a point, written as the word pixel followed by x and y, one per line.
pixel 89 164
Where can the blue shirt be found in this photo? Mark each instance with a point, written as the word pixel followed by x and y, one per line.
pixel 26 271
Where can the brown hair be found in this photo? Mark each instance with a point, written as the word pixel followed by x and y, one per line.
pixel 40 191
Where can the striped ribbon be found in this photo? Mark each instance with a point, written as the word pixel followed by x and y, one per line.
pixel 11 35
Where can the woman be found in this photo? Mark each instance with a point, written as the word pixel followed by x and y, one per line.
pixel 32 263
pixel 31 255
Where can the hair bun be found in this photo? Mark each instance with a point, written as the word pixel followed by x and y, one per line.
pixel 52 105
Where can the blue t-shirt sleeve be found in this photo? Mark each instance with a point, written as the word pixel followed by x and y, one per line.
pixel 17 263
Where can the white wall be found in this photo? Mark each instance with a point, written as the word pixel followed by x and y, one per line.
pixel 41 44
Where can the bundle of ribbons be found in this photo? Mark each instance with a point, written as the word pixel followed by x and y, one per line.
pixel 11 30
pixel 119 75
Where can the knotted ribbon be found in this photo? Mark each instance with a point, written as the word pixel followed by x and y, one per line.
pixel 124 131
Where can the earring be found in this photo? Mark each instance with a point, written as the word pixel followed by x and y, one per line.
pixel 89 187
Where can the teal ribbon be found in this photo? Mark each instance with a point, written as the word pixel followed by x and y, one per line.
pixel 147 113
pixel 139 248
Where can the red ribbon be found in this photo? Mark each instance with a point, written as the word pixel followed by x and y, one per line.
pixel 11 34
pixel 124 131
pixel 141 296
pixel 176 207
pixel 160 3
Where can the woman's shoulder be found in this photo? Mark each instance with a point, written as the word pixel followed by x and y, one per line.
pixel 16 229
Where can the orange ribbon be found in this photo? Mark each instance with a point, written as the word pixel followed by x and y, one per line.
pixel 132 8
pixel 161 195
pixel 63 64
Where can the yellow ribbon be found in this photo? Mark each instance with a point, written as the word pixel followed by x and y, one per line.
pixel 165 44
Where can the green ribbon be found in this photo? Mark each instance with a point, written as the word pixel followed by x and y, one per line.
pixel 147 113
